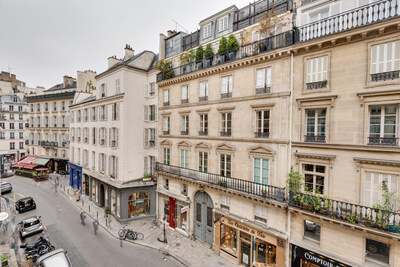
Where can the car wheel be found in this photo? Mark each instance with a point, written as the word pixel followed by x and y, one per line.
pixel 372 248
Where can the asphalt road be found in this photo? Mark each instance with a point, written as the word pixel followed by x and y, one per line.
pixel 61 219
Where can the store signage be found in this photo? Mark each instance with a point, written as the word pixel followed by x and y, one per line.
pixel 184 209
pixel 300 255
pixel 244 228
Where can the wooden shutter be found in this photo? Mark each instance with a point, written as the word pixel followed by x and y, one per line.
pixel 110 137
pixel 116 137
pixel 268 76
pixel 224 85
pixel 146 165
pixel 146 113
pixel 146 90
pixel 146 137
pixel 105 136
pixel 260 78
pixel 117 111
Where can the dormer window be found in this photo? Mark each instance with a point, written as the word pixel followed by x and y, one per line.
pixel 207 31
pixel 103 90
pixel 223 23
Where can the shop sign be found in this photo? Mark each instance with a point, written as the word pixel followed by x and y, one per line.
pixel 244 228
pixel 299 255
pixel 184 209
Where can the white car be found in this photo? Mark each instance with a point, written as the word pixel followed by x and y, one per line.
pixel 55 258
pixel 30 226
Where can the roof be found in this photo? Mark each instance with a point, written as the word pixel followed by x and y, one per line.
pixel 25 198
pixel 9 99
pixel 69 94
pixel 86 100
pixel 218 13
pixel 61 86
pixel 31 219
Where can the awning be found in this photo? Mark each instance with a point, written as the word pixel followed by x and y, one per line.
pixel 42 169
pixel 30 166
pixel 28 159
pixel 41 161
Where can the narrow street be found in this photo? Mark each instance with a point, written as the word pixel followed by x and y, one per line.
pixel 62 222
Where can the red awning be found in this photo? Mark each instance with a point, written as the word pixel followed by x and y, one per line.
pixel 26 160
pixel 42 169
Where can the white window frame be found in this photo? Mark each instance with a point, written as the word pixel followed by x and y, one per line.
pixel 166 155
pixel 261 180
pixel 223 23
pixel 317 69
pixel 382 123
pixel 166 96
pixel 372 181
pixel 203 122
pixel 314 173
pixel 223 170
pixel 207 30
pixel 185 92
pixel 184 158
pixel 203 161
pixel 203 88
pixel 316 122
pixel 381 60
pixel 263 78
pixel 166 124
pixel 225 202
pixel 225 121
pixel 260 214
pixel 259 127
pixel 185 123
pixel 226 84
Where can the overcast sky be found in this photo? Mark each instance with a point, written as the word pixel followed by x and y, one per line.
pixel 43 40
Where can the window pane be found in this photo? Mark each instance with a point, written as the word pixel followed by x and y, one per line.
pixel 312 230
pixel 209 217
pixel 377 250
pixel 257 170
pixel 309 167
pixel 308 183
pixel 198 212
pixel 320 169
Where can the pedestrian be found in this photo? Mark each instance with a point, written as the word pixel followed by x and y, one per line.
pixel 95 225
pixel 83 217
pixel 5 227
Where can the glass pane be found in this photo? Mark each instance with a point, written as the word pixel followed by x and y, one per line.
pixel 309 167
pixel 257 170
pixel 312 230
pixel 320 169
pixel 209 217
pixel 198 212
pixel 309 180
pixel 377 250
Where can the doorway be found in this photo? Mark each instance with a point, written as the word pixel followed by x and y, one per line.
pixel 101 196
pixel 203 217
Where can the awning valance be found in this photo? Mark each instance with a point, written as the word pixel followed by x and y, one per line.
pixel 41 161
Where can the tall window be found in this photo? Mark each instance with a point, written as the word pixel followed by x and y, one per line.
pixel 93 113
pixel 203 161
pixel 103 113
pixel 115 111
pixel 20 108
pixel 103 133
pixel 166 125
pixel 55 106
pixel 314 178
pixel 103 90
pixel 203 91
pixel 225 167
pixel 46 107
pixel 223 23
pixel 226 124
pixel 226 87
pixel 63 105
pixel 203 124
pixel 207 31
pixel 85 115
pixel 225 202
pixel 113 166
pixel 185 94
pixel 260 213
pixel 102 162
pixel 12 145
pixel 373 181
pixel 385 58
pixel 114 137
pixel 317 71
pixel 21 145
pixel 184 158
pixel 382 125
pixel 316 125
pixel 166 155
pixel 117 86
pixel 185 125
pixel 263 83
pixel 94 135
pixel 262 123
pixel 152 91
pixel 261 171
pixel 11 108
pixel 12 135
pixel 166 97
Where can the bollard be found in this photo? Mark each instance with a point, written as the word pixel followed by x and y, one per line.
pixel 82 203
pixel 89 208
pixel 97 214
pixel 120 242
pixel 106 220
pixel 68 191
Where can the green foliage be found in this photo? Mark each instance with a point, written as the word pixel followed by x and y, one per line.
pixel 199 53
pixel 187 56
pixel 165 67
pixel 388 200
pixel 294 181
pixel 222 45
pixel 146 175
pixel 232 42
pixel 208 53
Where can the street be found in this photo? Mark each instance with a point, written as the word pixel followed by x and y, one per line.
pixel 62 222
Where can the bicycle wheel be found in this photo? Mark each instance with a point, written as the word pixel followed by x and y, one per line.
pixel 131 235
pixel 121 234
pixel 139 236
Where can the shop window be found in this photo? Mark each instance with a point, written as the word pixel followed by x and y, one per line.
pixel 118 205
pixel 138 204
pixel 182 214
pixel 312 230
pixel 94 189
pixel 314 178
pixel 229 241
pixel 166 210
pixel 265 253
pixel 225 202
pixel 377 251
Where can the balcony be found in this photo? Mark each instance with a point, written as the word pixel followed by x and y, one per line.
pixel 184 101
pixel 316 85
pixel 261 134
pixel 225 134
pixel 27 142
pixel 26 125
pixel 383 76
pixel 165 132
pixel 3 117
pixel 315 138
pixel 240 185
pixel 166 104
pixel 203 98
pixel 383 141
pixel 226 95
pixel 2 137
pixel 152 143
pixel 343 211
pixel 185 132
pixel 65 143
pixel 48 144
pixel 263 90
pixel 203 133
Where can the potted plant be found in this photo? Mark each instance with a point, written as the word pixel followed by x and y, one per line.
pixel 222 182
pixel 199 57
pixel 107 210
pixel 294 184
pixel 112 175
pixel 231 46
pixel 222 49
pixel 186 58
pixel 209 55
pixel 264 193
pixel 101 171
pixel 165 67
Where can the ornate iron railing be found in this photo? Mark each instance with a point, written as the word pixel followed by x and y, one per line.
pixel 353 213
pixel 249 187
pixel 315 138
pixel 383 76
pixel 383 141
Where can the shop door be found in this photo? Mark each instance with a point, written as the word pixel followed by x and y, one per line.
pixel 203 217
pixel 172 212
pixel 245 254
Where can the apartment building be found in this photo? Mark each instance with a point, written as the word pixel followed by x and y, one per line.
pixel 49 131
pixel 13 113
pixel 320 97
pixel 113 138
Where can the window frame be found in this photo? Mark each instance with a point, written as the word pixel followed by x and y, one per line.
pixel 224 25
pixel 207 31
pixel 225 171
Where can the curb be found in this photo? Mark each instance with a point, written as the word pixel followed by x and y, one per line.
pixel 162 250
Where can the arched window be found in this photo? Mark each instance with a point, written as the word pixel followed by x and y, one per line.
pixel 138 204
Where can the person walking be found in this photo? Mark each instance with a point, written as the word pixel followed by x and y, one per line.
pixel 95 225
pixel 83 217
pixel 5 227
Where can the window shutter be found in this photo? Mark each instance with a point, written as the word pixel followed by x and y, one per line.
pixel 146 90
pixel 116 137
pixel 116 167
pixel 156 113
pixel 146 137
pixel 309 70
pixel 324 68
pixel 109 165
pixel 268 75
pixel 260 78
pixel 100 167
pixel 110 139
pixel 224 85
pixel 146 165
pixel 229 88
pixel 396 63
pixel 117 111
pixel 146 113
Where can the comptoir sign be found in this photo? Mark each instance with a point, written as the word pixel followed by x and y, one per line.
pixel 301 255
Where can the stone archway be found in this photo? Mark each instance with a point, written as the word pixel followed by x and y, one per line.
pixel 203 217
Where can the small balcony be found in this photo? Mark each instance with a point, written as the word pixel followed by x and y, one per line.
pixel 261 134
pixel 263 90
pixel 225 134
pixel 203 133
pixel 383 141
pixel 383 76
pixel 26 142
pixel 165 132
pixel 184 101
pixel 315 138
pixel 166 104
pixel 65 143
pixel 230 183
pixel 203 98
pixel 48 144
pixel 185 132
pixel 316 85
pixel 226 95
pixel 152 143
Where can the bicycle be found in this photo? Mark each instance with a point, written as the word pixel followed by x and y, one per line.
pixel 130 234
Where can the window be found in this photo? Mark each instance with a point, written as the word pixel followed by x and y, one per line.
pixel 78 114
pixel 207 31
pixel 21 126
pixel 383 122
pixel 115 111
pixel 225 202
pixel 103 133
pixel 150 137
pixel 226 124
pixel 31 107
pixel 20 117
pixel 103 90
pixel 138 204
pixel 113 166
pixel 171 43
pixel 94 136
pixel 318 15
pixel 21 135
pixel 166 97
pixel 263 83
pixel 314 178
pixel 72 134
pixel 385 61
pixel 12 136
pixel 185 124
pixel 54 106
pixel 11 108
pixel 78 133
pixel 12 145
pixel 114 137
pixel 166 155
pixel 85 135
pixel 203 91
pixel 184 189
pixel 11 125
pixel 185 94
pixel 93 160
pixel 20 108
pixel 317 72
pixel 203 124
pixel 102 163
pixel 103 113
pixel 63 105
pixel 316 125
pixel 184 158
pixel 229 239
pixel 262 124
pixel 166 125
pixel 261 171
pixel 117 86
pixel 152 91
pixel 46 107
pixel 85 115
pixel 93 114
pixel 372 193
pixel 223 23
pixel 312 230
pixel 225 165
pixel 377 251
pixel 21 145
pixel 166 183
pixel 203 161
pixel 11 116
pixel 226 87
pixel 152 113
pixel 260 214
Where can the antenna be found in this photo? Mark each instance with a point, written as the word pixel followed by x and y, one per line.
pixel 9 70
pixel 176 26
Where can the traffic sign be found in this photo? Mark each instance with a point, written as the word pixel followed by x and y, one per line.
pixel 164 218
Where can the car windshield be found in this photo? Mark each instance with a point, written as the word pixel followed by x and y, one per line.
pixel 32 223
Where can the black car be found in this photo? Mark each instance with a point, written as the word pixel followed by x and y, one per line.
pixel 25 204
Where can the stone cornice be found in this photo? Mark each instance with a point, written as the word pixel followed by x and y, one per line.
pixel 314 156
pixel 228 139
pixel 333 146
pixel 385 162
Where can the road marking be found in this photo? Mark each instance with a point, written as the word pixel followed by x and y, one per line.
pixel 19 194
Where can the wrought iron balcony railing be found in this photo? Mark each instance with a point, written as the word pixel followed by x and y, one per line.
pixel 48 144
pixel 225 133
pixel 263 90
pixel 245 186
pixel 261 134
pixel 352 213
pixel 317 85
pixel 203 98
pixel 315 138
pixel 383 76
pixel 203 133
pixel 383 141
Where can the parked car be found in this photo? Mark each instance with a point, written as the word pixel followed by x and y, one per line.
pixel 6 187
pixel 30 226
pixel 56 258
pixel 25 204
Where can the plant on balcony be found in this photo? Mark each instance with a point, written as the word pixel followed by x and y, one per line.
pixel 186 58
pixel 146 175
pixel 222 49
pixel 222 182
pixel 101 171
pixel 268 24
pixel 112 175
pixel 209 55
pixel 294 184
pixel 165 67
pixel 231 46
pixel 107 210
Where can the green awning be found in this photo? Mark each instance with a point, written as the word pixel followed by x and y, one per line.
pixel 41 161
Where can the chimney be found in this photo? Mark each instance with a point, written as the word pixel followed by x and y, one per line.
pixel 68 80
pixel 170 33
pixel 129 52
pixel 112 61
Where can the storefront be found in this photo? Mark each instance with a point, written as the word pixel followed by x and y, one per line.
pixel 302 257
pixel 248 246
pixel 176 212
pixel 75 176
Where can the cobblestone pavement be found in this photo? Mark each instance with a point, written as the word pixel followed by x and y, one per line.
pixel 188 252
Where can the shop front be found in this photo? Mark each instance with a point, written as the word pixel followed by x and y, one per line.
pixel 176 212
pixel 248 246
pixel 75 176
pixel 302 257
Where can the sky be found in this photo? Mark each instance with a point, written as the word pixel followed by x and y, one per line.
pixel 43 40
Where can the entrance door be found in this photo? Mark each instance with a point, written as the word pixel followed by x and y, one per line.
pixel 245 254
pixel 101 197
pixel 86 185
pixel 172 211
pixel 203 217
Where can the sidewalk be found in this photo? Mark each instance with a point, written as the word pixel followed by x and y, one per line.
pixel 188 252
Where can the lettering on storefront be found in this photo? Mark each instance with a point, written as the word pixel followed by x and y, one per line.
pixel 184 209
pixel 244 228
pixel 299 254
